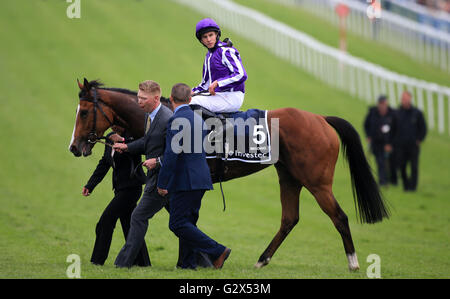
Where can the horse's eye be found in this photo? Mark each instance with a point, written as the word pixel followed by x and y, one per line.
pixel 83 113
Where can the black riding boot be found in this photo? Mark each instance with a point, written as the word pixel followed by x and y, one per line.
pixel 206 114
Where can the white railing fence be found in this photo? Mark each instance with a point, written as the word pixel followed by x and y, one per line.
pixel 436 18
pixel 419 41
pixel 362 79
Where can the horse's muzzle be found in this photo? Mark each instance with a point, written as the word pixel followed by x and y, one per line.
pixel 81 148
pixel 74 150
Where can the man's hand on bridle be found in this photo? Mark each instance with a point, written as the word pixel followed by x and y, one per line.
pixel 116 138
pixel 120 147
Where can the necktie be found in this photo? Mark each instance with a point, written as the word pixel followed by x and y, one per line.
pixel 148 124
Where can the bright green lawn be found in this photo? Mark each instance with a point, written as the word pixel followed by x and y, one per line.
pixel 44 218
pixel 368 49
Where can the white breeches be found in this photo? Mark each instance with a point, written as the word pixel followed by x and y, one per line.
pixel 221 101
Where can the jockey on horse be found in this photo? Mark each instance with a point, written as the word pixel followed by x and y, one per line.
pixel 223 72
pixel 223 77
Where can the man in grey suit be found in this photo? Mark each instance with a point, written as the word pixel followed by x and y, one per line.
pixel 152 144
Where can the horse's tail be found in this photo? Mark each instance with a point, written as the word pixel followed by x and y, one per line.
pixel 371 206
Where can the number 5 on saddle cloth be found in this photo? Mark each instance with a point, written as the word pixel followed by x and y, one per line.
pixel 243 136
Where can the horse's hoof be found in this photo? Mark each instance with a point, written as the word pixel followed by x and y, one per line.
pixel 261 264
pixel 353 268
pixel 353 264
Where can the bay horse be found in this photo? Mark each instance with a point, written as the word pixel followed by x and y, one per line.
pixel 308 151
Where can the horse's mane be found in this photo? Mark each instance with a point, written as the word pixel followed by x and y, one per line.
pixel 98 84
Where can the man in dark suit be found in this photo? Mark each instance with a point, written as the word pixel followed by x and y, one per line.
pixel 152 144
pixel 185 174
pixel 127 190
pixel 411 131
pixel 379 127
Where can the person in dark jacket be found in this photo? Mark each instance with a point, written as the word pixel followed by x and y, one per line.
pixel 152 146
pixel 127 191
pixel 411 131
pixel 380 127
pixel 186 175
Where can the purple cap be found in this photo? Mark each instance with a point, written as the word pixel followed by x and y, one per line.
pixel 204 26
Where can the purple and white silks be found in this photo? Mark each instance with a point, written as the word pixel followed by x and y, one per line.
pixel 223 64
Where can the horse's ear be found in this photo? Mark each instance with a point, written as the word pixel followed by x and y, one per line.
pixel 86 84
pixel 79 84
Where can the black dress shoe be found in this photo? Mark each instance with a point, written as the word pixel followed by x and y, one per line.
pixel 218 263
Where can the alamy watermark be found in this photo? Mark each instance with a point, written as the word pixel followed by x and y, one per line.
pixel 74 269
pixel 374 269
pixel 74 9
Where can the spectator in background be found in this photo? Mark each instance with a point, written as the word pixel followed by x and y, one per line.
pixel 379 127
pixel 410 133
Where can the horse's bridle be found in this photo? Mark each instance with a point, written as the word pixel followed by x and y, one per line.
pixel 92 137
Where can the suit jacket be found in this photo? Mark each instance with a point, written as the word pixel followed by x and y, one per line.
pixel 122 166
pixel 152 144
pixel 381 129
pixel 411 126
pixel 186 170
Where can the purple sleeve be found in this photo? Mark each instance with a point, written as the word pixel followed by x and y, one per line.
pixel 232 59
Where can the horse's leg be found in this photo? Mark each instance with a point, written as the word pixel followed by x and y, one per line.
pixel 289 192
pixel 330 206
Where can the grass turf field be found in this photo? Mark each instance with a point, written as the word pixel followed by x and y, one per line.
pixel 44 218
pixel 326 32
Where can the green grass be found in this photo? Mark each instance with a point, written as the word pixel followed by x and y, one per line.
pixel 326 32
pixel 44 218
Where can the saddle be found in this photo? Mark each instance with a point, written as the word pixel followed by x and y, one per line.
pixel 208 114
